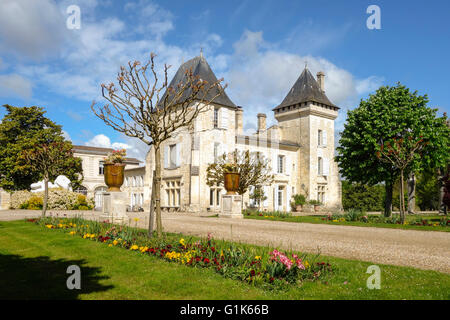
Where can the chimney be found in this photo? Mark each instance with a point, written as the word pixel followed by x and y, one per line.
pixel 261 122
pixel 321 80
pixel 239 120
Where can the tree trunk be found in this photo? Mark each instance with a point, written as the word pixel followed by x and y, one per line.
pixel 402 199
pixel 411 194
pixel 152 208
pixel 388 200
pixel 44 206
pixel 158 190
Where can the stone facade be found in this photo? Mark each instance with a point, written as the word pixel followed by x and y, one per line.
pixel 300 149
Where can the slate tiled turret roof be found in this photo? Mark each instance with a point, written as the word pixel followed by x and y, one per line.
pixel 200 68
pixel 305 89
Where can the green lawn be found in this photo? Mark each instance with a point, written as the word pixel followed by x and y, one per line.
pixel 33 263
pixel 318 219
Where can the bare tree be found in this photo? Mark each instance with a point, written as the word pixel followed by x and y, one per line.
pixel 52 160
pixel 144 108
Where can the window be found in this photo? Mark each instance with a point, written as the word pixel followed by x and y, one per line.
pixel 216 117
pixel 101 169
pixel 319 166
pixel 173 192
pixel 321 193
pixel 214 197
pixel 320 139
pixel 211 197
pixel 280 164
pixel 280 197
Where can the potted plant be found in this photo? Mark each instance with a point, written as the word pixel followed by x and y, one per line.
pixel 299 201
pixel 114 169
pixel 316 204
pixel 231 178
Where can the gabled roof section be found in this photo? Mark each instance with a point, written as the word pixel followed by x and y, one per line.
pixel 200 68
pixel 305 89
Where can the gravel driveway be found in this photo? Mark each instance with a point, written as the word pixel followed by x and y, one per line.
pixel 419 249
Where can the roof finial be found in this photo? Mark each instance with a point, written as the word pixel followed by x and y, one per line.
pixel 306 64
pixel 201 52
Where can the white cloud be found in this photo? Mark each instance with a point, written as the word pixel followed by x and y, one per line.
pixel 135 147
pixel 32 28
pixel 66 135
pixel 260 76
pixel 14 85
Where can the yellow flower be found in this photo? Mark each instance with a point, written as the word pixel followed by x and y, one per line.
pixel 115 242
pixel 182 242
pixel 110 245
pixel 335 220
pixel 92 235
pixel 72 233
pixel 49 226
pixel 143 249
pixel 86 235
pixel 134 247
pixel 258 258
pixel 306 264
pixel 136 219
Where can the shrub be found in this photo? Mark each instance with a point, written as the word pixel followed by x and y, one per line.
pixel 58 199
pixel 362 197
pixel 299 199
pixel 353 215
pixel 35 203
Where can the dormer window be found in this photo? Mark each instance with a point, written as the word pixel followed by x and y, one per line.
pixel 216 117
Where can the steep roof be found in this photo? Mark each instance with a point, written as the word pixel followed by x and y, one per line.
pixel 305 89
pixel 200 68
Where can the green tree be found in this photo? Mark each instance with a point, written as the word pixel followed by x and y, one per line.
pixel 427 190
pixel 51 160
pixel 385 115
pixel 254 170
pixel 362 196
pixel 21 129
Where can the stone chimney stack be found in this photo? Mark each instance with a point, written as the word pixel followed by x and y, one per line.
pixel 321 80
pixel 239 120
pixel 261 122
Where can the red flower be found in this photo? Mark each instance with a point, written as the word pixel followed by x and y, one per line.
pixel 206 260
pixel 252 273
pixel 213 249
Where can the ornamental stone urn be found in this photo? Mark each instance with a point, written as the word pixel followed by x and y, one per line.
pixel 114 175
pixel 231 182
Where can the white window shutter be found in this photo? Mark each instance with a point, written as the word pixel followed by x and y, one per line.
pixel 288 165
pixel 224 118
pixel 178 155
pixel 166 156
pixel 275 197
pixel 288 198
pixel 324 137
pixel 250 192
pixel 266 193
pixel 211 117
pixel 275 163
pixel 326 166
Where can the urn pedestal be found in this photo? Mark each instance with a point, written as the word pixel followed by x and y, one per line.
pixel 114 200
pixel 231 206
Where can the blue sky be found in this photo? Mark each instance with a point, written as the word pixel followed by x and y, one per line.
pixel 259 47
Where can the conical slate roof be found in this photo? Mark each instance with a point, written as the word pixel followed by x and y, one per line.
pixel 200 68
pixel 305 89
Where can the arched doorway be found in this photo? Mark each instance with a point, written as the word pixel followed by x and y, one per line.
pixel 98 197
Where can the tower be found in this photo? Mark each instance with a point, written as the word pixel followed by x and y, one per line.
pixel 306 116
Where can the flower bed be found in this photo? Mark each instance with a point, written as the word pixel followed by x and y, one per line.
pixel 254 265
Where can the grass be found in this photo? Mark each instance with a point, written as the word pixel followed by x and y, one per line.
pixel 33 263
pixel 317 219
